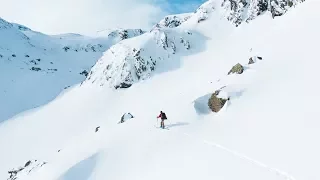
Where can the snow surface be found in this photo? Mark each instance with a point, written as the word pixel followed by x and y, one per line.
pixel 268 130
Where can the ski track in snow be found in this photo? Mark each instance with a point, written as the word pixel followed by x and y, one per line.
pixel 281 173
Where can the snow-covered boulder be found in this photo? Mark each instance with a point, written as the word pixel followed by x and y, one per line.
pixel 126 117
pixel 254 59
pixel 23 171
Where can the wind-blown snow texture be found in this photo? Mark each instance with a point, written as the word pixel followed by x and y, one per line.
pixel 268 130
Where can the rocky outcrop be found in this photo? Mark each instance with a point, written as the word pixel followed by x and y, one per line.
pixel 173 21
pixel 85 73
pixel 239 11
pixel 21 27
pixel 126 117
pixel 28 168
pixel 254 59
pixel 128 62
pixel 4 24
pixel 122 34
pixel 216 103
pixel 86 48
pixel 238 69
pixel 202 13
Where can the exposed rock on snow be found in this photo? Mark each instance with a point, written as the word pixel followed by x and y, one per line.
pixel 173 21
pixel 121 34
pixel 118 35
pixel 84 72
pixel 25 170
pixel 202 13
pixel 238 11
pixel 35 69
pixel 238 69
pixel 126 117
pixel 254 59
pixel 86 48
pixel 216 103
pixel 21 27
pixel 135 59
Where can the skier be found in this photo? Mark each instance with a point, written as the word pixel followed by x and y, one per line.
pixel 163 117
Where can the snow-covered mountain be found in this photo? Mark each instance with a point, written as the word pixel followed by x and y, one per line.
pixel 36 67
pixel 137 58
pixel 259 75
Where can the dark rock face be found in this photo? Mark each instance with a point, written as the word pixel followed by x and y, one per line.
pixel 123 86
pixel 35 69
pixel 84 72
pixel 27 163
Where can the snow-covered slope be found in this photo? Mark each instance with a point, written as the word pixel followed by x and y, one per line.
pixel 137 58
pixel 35 68
pixel 268 130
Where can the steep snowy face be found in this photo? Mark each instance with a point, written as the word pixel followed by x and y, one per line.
pixel 173 21
pixel 238 11
pixel 136 59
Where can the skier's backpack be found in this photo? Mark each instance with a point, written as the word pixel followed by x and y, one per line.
pixel 164 116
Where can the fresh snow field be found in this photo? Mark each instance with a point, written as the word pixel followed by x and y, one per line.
pixel 269 129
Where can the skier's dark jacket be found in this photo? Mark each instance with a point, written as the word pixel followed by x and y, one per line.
pixel 162 115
